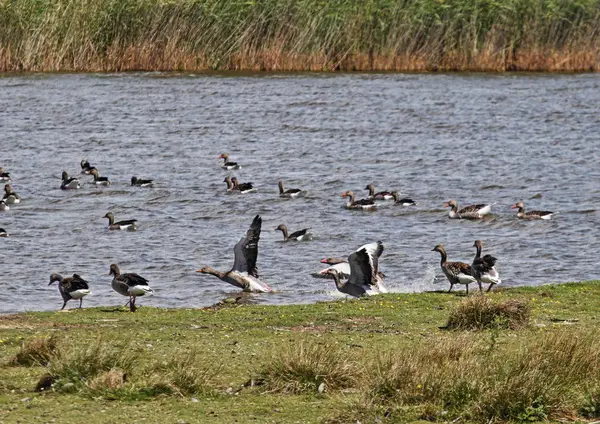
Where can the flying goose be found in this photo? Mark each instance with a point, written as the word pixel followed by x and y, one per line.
pixel 405 201
pixel 468 212
pixel 135 181
pixel 456 272
pixel 531 214
pixel 10 197
pixel 73 287
pixel 131 285
pixel 120 225
pixel 228 165
pixel 98 180
pixel 382 195
pixel 299 235
pixel 69 183
pixel 244 273
pixel 290 192
pixel 484 269
pixel 357 204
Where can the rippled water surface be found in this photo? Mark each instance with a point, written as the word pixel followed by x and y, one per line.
pixel 474 138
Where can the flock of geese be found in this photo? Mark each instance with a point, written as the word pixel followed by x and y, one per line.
pixel 357 276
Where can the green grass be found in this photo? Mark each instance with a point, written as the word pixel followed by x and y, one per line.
pixel 180 35
pixel 382 358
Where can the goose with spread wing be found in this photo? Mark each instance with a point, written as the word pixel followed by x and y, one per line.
pixel 73 287
pixel 244 273
pixel 484 268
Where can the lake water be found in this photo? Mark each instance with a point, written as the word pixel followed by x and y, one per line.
pixel 475 138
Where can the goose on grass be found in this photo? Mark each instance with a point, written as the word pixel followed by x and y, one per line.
pixel 131 285
pixel 73 287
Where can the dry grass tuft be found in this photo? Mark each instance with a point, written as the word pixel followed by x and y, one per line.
pixel 110 380
pixel 481 312
pixel 36 352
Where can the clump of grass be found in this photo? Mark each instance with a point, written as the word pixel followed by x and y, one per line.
pixel 309 367
pixel 481 312
pixel 36 352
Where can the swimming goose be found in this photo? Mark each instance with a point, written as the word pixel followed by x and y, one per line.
pixel 69 183
pixel 228 165
pixel 382 195
pixel 10 197
pixel 484 268
pixel 365 278
pixel 131 285
pixel 468 212
pixel 405 201
pixel 244 273
pixel 3 206
pixel 98 180
pixel 3 233
pixel 339 264
pixel 456 272
pixel 120 225
pixel 357 204
pixel 290 192
pixel 531 214
pixel 4 176
pixel 73 287
pixel 299 235
pixel 242 187
pixel 86 168
pixel 135 181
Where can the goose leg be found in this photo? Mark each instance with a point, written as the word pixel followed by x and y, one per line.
pixel 64 304
pixel 480 288
pixel 80 302
pixel 490 287
pixel 132 304
pixel 467 289
pixel 450 289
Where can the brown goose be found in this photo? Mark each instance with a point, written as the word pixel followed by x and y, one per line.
pixel 484 269
pixel 4 176
pixel 455 272
pixel 128 224
pixel 244 273
pixel 86 168
pixel 340 265
pixel 98 180
pixel 130 284
pixel 10 197
pixel 531 214
pixel 382 195
pixel 139 182
pixel 358 204
pixel 290 192
pixel 300 235
pixel 405 201
pixel 73 287
pixel 468 212
pixel 227 164
pixel 242 187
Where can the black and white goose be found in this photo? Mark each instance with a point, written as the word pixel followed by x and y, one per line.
pixel 98 180
pixel 3 232
pixel 3 206
pixel 242 187
pixel 468 212
pixel 129 224
pixel 71 183
pixel 365 278
pixel 139 182
pixel 290 192
pixel 484 268
pixel 86 168
pixel 244 273
pixel 73 287
pixel 364 204
pixel 382 195
pixel 131 285
pixel 405 201
pixel 455 272
pixel 530 214
pixel 4 176
pixel 10 197
pixel 227 164
pixel 300 235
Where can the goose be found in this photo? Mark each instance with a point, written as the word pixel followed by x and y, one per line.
pixel 98 180
pixel 4 176
pixel 131 285
pixel 3 233
pixel 10 197
pixel 456 272
pixel 135 181
pixel 3 206
pixel 242 187
pixel 228 165
pixel 120 225
pixel 86 168
pixel 405 201
pixel 484 268
pixel 339 264
pixel 290 192
pixel 531 214
pixel 69 183
pixel 299 235
pixel 244 273
pixel 73 287
pixel 365 278
pixel 357 204
pixel 468 212
pixel 382 195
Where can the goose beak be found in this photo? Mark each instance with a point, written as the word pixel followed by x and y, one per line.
pixel 514 206
pixel 446 204
pixel 323 261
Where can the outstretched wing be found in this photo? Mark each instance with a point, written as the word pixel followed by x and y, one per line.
pixel 246 250
pixel 364 264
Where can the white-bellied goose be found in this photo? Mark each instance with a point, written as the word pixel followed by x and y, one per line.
pixel 86 168
pixel 338 264
pixel 227 164
pixel 455 272
pixel 4 176
pixel 357 204
pixel 484 269
pixel 242 187
pixel 382 195
pixel 135 181
pixel 290 192
pixel 73 287
pixel 299 235
pixel 10 197
pixel 3 233
pixel 244 273
pixel 531 214
pixel 120 225
pixel 405 201
pixel 98 180
pixel 468 212
pixel 131 285
pixel 3 206
pixel 69 183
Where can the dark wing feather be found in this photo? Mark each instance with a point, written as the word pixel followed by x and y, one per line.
pixel 471 208
pixel 459 267
pixel 489 260
pixel 292 191
pixel 298 233
pixel 134 280
pixel 245 186
pixel 78 283
pixel 364 267
pixel 246 250
pixel 538 213
pixel 126 222
pixel 364 202
pixel 230 164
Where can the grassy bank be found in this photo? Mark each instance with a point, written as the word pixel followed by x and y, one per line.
pixel 299 35
pixel 530 354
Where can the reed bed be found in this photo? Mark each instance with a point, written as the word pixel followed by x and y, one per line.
pixel 299 35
